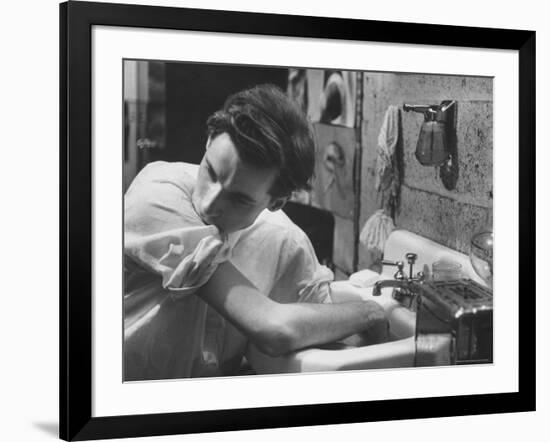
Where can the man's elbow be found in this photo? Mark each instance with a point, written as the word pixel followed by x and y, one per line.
pixel 278 338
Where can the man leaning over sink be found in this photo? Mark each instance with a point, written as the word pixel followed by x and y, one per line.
pixel 212 265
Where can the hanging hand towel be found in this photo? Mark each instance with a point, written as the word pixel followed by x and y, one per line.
pixel 376 231
pixel 387 140
pixel 379 226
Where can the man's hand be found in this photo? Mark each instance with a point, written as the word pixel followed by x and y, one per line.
pixel 376 329
pixel 377 325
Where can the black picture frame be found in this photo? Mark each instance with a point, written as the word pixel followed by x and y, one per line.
pixel 76 21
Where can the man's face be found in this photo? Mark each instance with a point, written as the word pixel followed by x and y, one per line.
pixel 230 194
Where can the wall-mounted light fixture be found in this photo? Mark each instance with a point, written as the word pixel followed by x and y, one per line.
pixel 436 145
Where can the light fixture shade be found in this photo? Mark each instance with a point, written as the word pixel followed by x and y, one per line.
pixel 431 148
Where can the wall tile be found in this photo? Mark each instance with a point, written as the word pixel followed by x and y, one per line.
pixel 437 88
pixel 441 219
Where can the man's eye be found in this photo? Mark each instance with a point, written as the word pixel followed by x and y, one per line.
pixel 241 201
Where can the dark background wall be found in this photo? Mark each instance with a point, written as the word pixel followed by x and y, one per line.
pixel 193 92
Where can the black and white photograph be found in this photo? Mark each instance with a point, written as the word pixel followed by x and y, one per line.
pixel 290 220
pixel 277 221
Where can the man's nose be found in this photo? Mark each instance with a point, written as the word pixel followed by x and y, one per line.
pixel 212 200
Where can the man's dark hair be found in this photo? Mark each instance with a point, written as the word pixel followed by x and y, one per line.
pixel 269 130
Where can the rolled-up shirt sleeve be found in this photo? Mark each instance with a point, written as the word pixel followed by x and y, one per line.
pixel 163 234
pixel 301 278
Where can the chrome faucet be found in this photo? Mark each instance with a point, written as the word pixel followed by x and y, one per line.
pixel 405 286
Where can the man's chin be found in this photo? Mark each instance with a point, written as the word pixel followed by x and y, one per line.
pixel 221 226
pixel 212 222
pixel 228 229
pixel 205 218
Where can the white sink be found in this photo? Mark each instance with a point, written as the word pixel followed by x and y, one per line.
pixel 400 350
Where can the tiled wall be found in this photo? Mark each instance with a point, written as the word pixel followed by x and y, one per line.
pixel 426 207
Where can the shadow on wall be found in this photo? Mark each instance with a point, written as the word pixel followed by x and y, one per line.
pixel 318 225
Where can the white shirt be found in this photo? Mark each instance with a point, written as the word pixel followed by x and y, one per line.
pixel 169 331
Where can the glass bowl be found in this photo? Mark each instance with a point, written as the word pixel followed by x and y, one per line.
pixel 481 255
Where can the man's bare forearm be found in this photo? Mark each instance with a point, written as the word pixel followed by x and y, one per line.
pixel 323 323
pixel 280 328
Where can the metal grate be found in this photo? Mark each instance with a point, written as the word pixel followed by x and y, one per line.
pixel 463 294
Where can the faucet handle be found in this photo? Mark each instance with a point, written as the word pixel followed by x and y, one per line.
pixel 387 262
pixel 411 259
pixel 400 266
pixel 400 275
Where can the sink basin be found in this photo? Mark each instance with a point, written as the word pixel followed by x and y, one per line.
pixel 397 352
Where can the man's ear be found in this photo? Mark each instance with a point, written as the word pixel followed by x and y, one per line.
pixel 278 203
